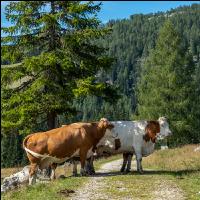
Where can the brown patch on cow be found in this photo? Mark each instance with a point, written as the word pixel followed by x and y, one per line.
pixel 117 144
pixel 152 128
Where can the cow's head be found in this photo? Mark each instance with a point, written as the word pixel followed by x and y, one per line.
pixel 164 128
pixel 105 124
pixel 152 129
pixel 106 145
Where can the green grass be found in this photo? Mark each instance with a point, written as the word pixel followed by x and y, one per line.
pixel 173 167
pixel 45 191
pixel 190 183
pixel 129 186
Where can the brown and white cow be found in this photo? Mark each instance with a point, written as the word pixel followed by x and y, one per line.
pixel 58 145
pixel 133 137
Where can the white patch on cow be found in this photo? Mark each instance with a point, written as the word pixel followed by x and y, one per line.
pixel 129 133
pixel 147 148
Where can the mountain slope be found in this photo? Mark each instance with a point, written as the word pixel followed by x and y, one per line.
pixel 130 42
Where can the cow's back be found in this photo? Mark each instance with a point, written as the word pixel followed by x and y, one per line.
pixel 59 142
pixel 123 131
pixel 127 134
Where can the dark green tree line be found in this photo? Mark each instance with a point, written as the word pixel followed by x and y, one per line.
pixel 130 42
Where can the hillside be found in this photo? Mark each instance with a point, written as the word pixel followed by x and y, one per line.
pixel 130 43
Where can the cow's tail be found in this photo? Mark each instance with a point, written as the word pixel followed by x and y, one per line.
pixel 25 140
pixel 37 155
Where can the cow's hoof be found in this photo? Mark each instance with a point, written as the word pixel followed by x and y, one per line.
pixel 75 175
pixel 93 172
pixel 62 176
pixel 84 174
pixel 128 171
pixel 140 171
pixel 122 170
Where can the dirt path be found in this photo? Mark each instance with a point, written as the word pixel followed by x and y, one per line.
pixel 93 189
pixel 168 191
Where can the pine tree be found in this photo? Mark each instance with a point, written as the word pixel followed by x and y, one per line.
pixel 195 106
pixel 166 83
pixel 53 45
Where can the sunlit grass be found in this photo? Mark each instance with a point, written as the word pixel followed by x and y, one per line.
pixel 172 168
pixel 182 158
pixel 177 167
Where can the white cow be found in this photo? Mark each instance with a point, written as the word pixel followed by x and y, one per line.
pixel 136 137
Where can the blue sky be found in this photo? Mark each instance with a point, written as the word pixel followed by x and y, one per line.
pixel 122 9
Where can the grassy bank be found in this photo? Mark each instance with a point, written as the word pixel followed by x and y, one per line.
pixel 51 190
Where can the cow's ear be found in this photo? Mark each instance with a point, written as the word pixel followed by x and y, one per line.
pixel 111 126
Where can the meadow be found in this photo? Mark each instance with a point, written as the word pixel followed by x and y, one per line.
pixel 175 169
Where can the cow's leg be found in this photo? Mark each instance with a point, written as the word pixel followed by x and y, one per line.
pixel 53 169
pixel 92 165
pixel 47 172
pixel 139 162
pixel 74 163
pixel 83 155
pixel 32 173
pixel 89 167
pixel 125 157
pixel 128 169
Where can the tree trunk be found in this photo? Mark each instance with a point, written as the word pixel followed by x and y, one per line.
pixel 51 120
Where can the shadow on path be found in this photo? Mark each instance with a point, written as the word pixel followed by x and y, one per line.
pixel 146 172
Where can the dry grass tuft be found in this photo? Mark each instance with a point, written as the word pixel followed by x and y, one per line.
pixel 183 158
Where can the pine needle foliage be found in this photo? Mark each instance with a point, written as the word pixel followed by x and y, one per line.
pixel 55 44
